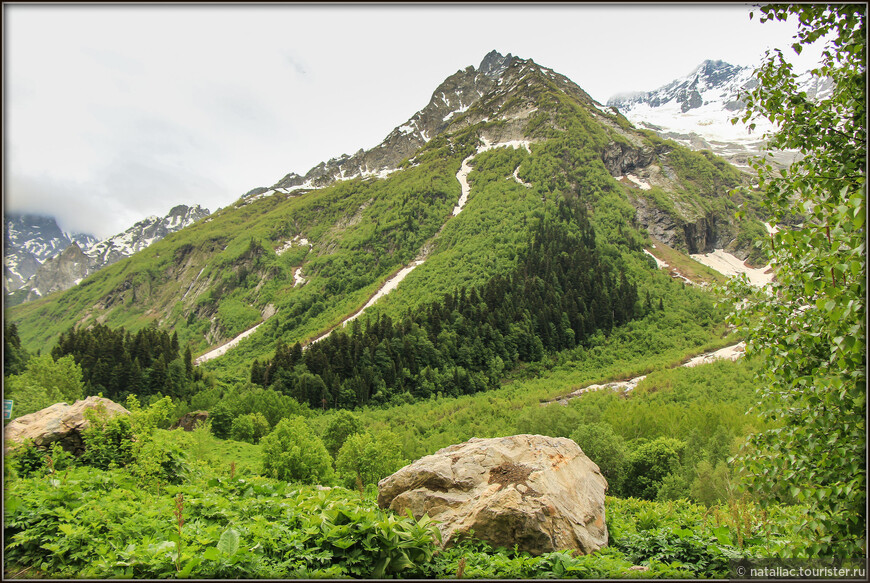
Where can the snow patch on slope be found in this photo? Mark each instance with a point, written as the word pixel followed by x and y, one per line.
pixel 643 185
pixel 727 264
pixel 290 243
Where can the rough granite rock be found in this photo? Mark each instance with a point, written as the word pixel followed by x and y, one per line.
pixel 60 272
pixel 540 493
pixel 61 422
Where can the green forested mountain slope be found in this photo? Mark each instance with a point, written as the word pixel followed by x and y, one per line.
pixel 223 275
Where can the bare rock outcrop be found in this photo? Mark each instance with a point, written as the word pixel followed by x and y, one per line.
pixel 190 421
pixel 540 493
pixel 621 159
pixel 61 423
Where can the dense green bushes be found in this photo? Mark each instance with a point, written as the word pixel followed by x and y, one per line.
pixel 649 464
pixel 245 400
pixel 44 382
pixel 112 441
pixel 364 459
pixel 96 524
pixel 101 524
pixel 606 448
pixel 253 527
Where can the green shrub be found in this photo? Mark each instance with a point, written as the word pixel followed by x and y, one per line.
pixel 250 428
pixel 712 484
pixel 244 399
pixel 108 441
pixel 606 448
pixel 292 452
pixel 365 459
pixel 649 464
pixel 43 383
pixel 29 459
pixel 342 426
pixel 692 551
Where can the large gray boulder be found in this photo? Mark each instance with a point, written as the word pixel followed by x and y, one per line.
pixel 540 493
pixel 60 422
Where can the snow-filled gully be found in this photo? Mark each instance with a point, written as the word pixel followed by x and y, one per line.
pixel 223 348
pixel 392 282
pixel 732 352
pixel 465 189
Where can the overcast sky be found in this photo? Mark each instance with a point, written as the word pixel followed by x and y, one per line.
pixel 114 113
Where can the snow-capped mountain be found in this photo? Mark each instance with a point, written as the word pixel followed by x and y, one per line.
pixel 31 240
pixel 696 110
pixel 76 261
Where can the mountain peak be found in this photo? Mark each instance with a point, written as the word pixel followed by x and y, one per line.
pixel 696 110
pixel 31 240
pixel 716 72
pixel 484 91
pixel 179 210
pixel 494 64
pixel 453 97
pixel 711 81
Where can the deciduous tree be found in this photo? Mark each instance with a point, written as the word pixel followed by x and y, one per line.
pixel 810 328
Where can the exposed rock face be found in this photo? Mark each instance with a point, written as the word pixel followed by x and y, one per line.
pixel 60 272
pixel 191 421
pixel 29 241
pixel 61 422
pixel 541 493
pixel 700 234
pixel 658 223
pixel 621 159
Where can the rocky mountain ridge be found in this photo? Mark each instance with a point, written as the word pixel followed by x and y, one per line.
pixel 504 88
pixel 85 255
pixel 144 233
pixel 453 98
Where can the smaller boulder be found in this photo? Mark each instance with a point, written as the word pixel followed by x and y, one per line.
pixel 58 423
pixel 190 421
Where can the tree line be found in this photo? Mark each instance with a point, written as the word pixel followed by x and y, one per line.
pixel 118 363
